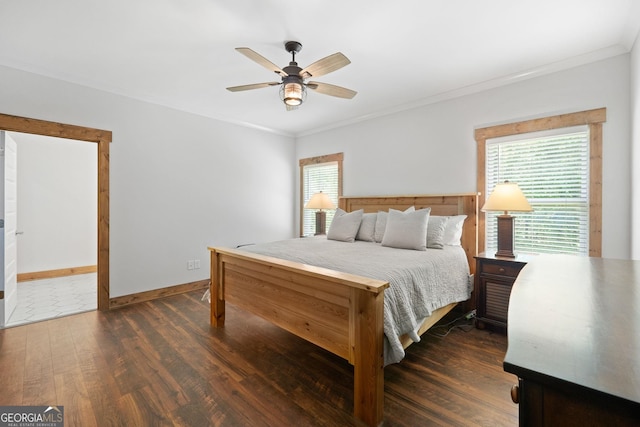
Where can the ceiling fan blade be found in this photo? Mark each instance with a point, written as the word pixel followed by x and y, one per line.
pixel 333 90
pixel 254 56
pixel 325 65
pixel 251 86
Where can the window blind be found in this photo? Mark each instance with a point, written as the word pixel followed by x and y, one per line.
pixel 318 177
pixel 553 173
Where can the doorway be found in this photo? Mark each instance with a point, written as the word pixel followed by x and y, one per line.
pixel 102 138
pixel 56 228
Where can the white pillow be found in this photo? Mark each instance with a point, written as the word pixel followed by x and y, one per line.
pixel 407 230
pixel 453 230
pixel 381 223
pixel 367 228
pixel 344 226
pixel 435 231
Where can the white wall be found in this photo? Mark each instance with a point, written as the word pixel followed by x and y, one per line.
pixel 179 182
pixel 57 203
pixel 431 149
pixel 635 150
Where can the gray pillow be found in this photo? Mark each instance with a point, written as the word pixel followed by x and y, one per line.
pixel 453 230
pixel 407 230
pixel 344 226
pixel 367 228
pixel 435 231
pixel 381 223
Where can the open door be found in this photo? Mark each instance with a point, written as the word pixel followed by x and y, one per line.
pixel 9 266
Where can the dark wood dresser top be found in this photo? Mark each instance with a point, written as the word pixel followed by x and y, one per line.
pixel 577 320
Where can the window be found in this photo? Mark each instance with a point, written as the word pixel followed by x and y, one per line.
pixel 323 173
pixel 560 172
pixel 552 171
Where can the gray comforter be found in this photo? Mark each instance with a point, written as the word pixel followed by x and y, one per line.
pixel 420 281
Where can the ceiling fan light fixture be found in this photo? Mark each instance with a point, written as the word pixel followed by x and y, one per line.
pixel 293 88
pixel 293 93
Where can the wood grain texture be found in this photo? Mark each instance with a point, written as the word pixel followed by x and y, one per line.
pixel 104 302
pixel 62 272
pixel 443 205
pixel 80 133
pixel 591 118
pixel 595 189
pixel 48 128
pixel 367 316
pixel 157 293
pixel 340 312
pixel 312 302
pixel 327 158
pixel 598 115
pixel 159 363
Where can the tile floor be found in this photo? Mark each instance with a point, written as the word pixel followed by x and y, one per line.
pixel 49 298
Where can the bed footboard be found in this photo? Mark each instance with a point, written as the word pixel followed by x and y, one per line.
pixel 340 312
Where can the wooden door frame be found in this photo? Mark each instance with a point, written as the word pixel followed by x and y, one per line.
pixel 103 139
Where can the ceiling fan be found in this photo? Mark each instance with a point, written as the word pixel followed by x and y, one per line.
pixel 294 79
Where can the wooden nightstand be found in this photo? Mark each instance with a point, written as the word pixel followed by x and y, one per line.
pixel 493 282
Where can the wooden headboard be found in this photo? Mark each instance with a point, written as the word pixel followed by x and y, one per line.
pixel 440 204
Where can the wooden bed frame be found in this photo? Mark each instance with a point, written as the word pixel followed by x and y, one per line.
pixel 340 312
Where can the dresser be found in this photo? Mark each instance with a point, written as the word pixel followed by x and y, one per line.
pixel 574 342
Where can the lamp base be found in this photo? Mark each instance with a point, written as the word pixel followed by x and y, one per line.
pixel 321 222
pixel 505 236
pixel 505 254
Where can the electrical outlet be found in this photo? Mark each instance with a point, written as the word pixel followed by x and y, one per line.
pixel 196 264
pixel 470 315
pixel 190 264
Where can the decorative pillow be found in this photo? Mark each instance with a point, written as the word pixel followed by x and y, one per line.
pixel 407 230
pixel 344 226
pixel 367 228
pixel 381 223
pixel 435 231
pixel 453 230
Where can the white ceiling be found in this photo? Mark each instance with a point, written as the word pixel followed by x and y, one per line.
pixel 405 53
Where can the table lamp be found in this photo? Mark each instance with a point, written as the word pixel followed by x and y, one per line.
pixel 505 197
pixel 320 201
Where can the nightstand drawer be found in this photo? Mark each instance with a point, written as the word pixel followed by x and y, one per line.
pixel 500 269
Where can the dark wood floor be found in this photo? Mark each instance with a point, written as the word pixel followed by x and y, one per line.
pixel 160 364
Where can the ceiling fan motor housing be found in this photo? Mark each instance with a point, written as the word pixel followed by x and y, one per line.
pixel 292 70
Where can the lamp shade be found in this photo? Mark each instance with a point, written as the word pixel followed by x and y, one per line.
pixel 507 196
pixel 320 201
